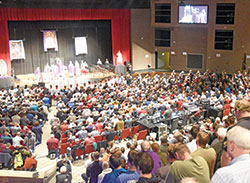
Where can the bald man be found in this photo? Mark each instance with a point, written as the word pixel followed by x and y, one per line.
pixel 146 147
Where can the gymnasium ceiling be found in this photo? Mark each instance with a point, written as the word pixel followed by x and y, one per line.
pixel 128 4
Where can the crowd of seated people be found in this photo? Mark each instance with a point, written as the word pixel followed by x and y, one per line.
pixel 22 116
pixel 142 164
pixel 104 109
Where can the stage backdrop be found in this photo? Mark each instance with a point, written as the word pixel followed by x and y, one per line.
pixel 99 42
pixel 120 23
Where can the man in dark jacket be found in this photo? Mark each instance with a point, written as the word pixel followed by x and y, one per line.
pixel 94 169
pixel 37 129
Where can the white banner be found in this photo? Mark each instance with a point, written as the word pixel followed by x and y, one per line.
pixel 50 40
pixel 81 45
pixel 16 49
pixel 3 66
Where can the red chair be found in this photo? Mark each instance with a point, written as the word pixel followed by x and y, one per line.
pixel 116 137
pixel 89 149
pixel 136 129
pixel 63 148
pixel 142 135
pixel 79 152
pixel 125 133
pixel 98 138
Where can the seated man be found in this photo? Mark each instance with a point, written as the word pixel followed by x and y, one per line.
pixel 63 177
pixel 75 147
pixel 196 116
pixel 63 162
pixel 30 163
pixel 7 149
pixel 89 140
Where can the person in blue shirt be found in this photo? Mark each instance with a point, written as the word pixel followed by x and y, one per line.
pixel 115 163
pixel 45 100
pixel 131 175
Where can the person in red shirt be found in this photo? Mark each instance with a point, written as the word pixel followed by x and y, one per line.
pixel 52 145
pixel 88 140
pixel 64 126
pixel 99 125
pixel 196 116
pixel 179 104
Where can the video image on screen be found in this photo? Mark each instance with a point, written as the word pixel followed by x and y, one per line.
pixel 193 14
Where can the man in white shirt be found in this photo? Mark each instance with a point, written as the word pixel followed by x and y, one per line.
pixel 238 148
pixel 17 140
pixel 192 146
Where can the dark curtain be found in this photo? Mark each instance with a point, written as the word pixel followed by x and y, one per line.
pixel 99 42
pixel 120 25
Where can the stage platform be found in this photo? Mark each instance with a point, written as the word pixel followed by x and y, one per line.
pixel 29 79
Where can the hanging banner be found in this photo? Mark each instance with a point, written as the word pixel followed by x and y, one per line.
pixel 3 66
pixel 81 45
pixel 16 49
pixel 49 40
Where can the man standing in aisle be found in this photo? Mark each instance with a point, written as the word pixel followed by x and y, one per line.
pixel 52 144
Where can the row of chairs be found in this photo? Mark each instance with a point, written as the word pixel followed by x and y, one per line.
pixel 126 133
